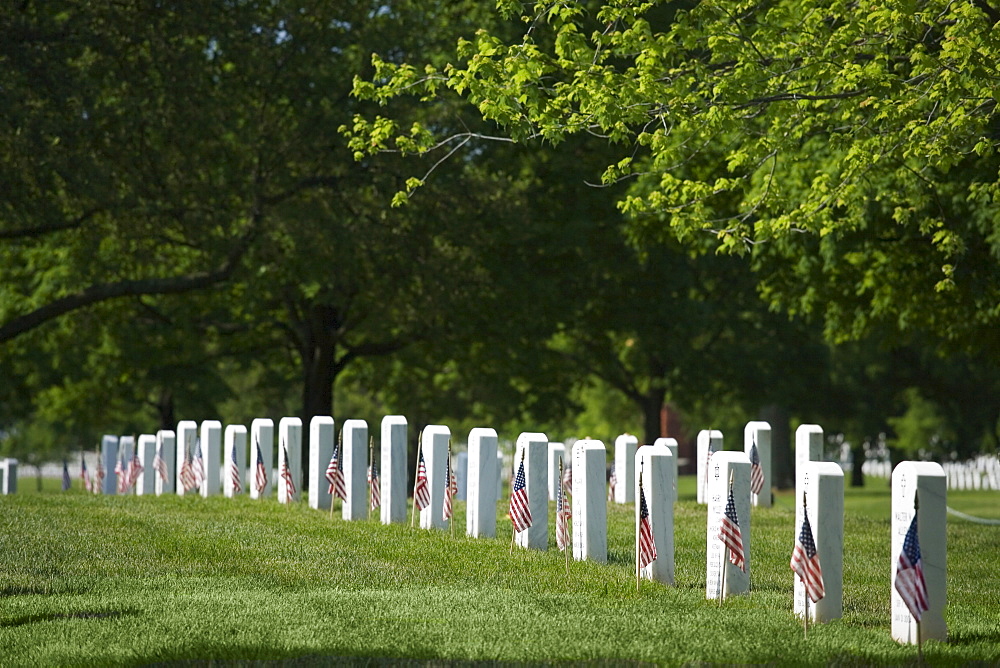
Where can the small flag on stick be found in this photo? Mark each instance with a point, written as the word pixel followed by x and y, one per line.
pixel 99 487
pixel 197 466
pixel 729 533
pixel 563 513
pixel 450 487
pixel 260 471
pixel 234 471
pixel 335 476
pixel 647 546
pixel 909 580
pixel 286 475
pixel 160 464
pixel 520 514
pixel 805 559
pixel 67 482
pixel 421 490
pixel 756 470
pixel 87 485
pixel 375 490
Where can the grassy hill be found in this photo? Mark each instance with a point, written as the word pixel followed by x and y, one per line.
pixel 136 580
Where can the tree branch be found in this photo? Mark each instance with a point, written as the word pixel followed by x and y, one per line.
pixel 39 230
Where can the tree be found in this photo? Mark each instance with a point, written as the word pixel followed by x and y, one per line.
pixel 853 145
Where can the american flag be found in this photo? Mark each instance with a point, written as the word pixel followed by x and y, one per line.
pixel 66 480
pixel 729 533
pixel 83 474
pixel 450 487
pixel 909 581
pixel 612 483
pixel 421 490
pixel 335 476
pixel 99 487
pixel 805 561
pixel 260 473
pixel 375 491
pixel 187 475
pixel 647 546
pixel 756 470
pixel 160 464
pixel 120 472
pixel 520 514
pixel 568 481
pixel 197 466
pixel 286 475
pixel 234 471
pixel 134 469
pixel 563 514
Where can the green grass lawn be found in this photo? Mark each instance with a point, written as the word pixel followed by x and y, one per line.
pixel 134 580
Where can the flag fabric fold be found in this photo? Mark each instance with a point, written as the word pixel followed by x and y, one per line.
pixel 729 534
pixel 647 546
pixel 260 471
pixel 520 514
pixel 160 464
pixel 421 490
pixel 909 580
pixel 450 489
pixel 197 466
pixel 756 470
pixel 134 469
pixel 187 475
pixel 375 490
pixel 563 515
pixel 805 561
pixel 234 472
pixel 286 476
pixel 335 476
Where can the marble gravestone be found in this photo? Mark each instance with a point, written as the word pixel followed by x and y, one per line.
pixel 759 433
pixel 290 446
pixel 736 580
pixel 322 433
pixel 590 509
pixel 625 447
pixel 146 451
pixel 8 476
pixel 166 445
pixel 211 451
pixel 481 505
pixel 925 483
pixel 187 432
pixel 393 469
pixel 823 485
pixel 461 474
pixel 234 454
pixel 434 444
pixel 355 464
pixel 709 442
pixel 671 444
pixel 533 450
pixel 808 448
pixel 557 451
pixel 262 449
pixel 109 455
pixel 655 468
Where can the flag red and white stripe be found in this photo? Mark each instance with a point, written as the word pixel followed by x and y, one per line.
pixel 335 476
pixel 260 472
pixel 197 466
pixel 286 475
pixel 909 580
pixel 234 472
pixel 805 561
pixel 729 533
pixel 134 469
pixel 99 486
pixel 563 515
pixel 647 545
pixel 375 491
pixel 756 470
pixel 187 475
pixel 121 474
pixel 520 513
pixel 421 490
pixel 87 484
pixel 160 464
pixel 612 482
pixel 450 488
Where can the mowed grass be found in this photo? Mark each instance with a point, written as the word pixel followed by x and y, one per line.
pixel 135 580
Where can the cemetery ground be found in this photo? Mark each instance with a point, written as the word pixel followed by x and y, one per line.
pixel 106 580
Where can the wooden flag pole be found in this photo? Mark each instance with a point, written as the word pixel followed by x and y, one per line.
pixel 805 590
pixel 416 471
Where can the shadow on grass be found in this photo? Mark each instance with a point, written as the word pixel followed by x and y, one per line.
pixel 83 614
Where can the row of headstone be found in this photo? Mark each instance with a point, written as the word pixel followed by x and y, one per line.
pixel 8 476
pixel 877 468
pixel 978 473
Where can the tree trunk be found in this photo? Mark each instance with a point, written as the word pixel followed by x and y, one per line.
pixel 857 461
pixel 782 458
pixel 165 409
pixel 318 351
pixel 651 405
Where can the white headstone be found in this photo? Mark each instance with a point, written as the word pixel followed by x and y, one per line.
pixel 355 454
pixel 187 433
pixel 655 467
pixel 166 446
pixel 924 481
pixel 533 449
pixel 109 455
pixel 501 468
pixel 322 433
pixel 393 469
pixel 823 484
pixel 461 474
pixel 557 451
pixel 261 450
pixel 759 434
pixel 737 581
pixel 8 482
pixel 671 444
pixel 709 442
pixel 146 451
pixel 234 457
pixel 808 448
pixel 625 447
pixel 211 450
pixel 434 445
pixel 590 508
pixel 481 507
pixel 290 446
